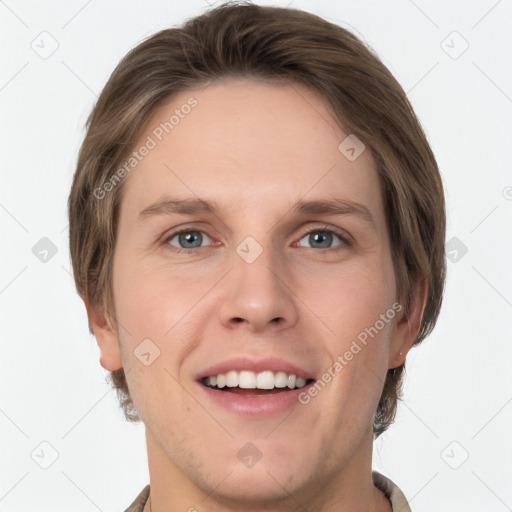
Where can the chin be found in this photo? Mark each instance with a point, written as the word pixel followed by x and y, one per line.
pixel 268 473
pixel 265 484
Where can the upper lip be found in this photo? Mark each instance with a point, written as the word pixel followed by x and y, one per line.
pixel 255 365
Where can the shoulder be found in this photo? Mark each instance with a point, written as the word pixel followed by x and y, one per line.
pixel 392 491
pixel 140 501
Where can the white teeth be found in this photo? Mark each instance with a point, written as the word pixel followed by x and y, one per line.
pixel 281 380
pixel 250 380
pixel 265 380
pixel 232 379
pixel 300 382
pixel 246 380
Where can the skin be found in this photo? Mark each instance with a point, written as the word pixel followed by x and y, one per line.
pixel 256 148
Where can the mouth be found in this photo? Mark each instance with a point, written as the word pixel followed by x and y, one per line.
pixel 254 388
pixel 249 394
pixel 249 383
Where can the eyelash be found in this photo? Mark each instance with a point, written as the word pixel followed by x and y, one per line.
pixel 345 239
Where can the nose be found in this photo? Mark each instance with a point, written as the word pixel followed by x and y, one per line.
pixel 258 295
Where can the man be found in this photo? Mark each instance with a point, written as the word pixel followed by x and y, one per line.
pixel 257 230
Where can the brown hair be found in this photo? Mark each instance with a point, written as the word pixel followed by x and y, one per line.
pixel 278 44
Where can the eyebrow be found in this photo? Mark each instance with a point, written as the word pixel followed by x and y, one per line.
pixel 169 205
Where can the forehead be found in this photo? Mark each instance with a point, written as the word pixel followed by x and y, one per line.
pixel 248 143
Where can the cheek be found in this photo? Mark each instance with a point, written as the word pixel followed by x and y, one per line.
pixel 151 299
pixel 350 298
pixel 356 305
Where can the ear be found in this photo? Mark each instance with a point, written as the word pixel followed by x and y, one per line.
pixel 406 327
pixel 106 337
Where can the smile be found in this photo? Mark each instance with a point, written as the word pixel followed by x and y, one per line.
pixel 264 380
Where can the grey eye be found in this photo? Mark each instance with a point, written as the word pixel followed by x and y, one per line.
pixel 320 239
pixel 188 239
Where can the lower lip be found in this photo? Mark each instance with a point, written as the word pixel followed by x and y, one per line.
pixel 255 406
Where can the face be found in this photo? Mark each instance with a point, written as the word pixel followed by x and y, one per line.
pixel 251 250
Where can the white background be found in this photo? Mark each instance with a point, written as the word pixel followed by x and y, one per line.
pixel 458 393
